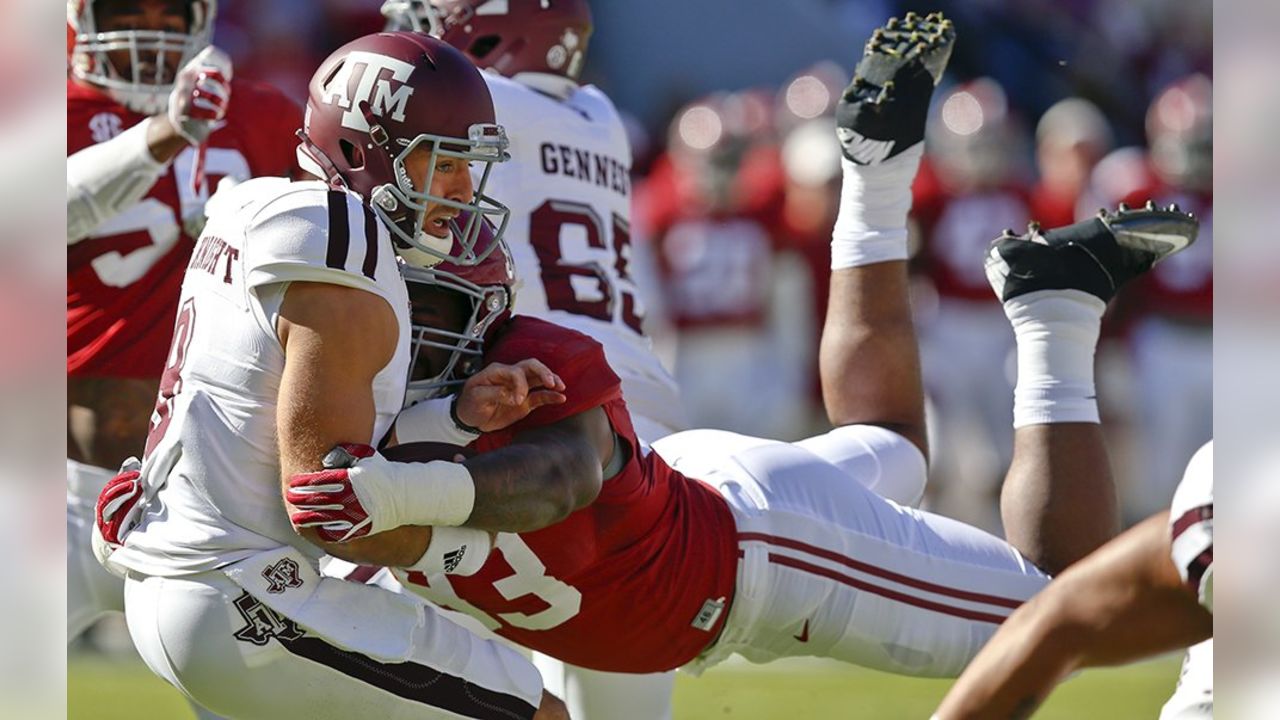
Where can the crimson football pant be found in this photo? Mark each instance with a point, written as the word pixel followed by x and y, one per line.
pixel 830 568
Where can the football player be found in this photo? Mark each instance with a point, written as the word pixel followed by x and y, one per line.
pixel 1146 592
pixel 568 186
pixel 151 127
pixel 618 557
pixel 292 334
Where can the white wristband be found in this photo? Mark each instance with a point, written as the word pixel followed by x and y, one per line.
pixel 454 551
pixel 874 201
pixel 395 494
pixel 431 421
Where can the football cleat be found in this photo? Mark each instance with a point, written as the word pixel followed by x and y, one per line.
pixel 1097 256
pixel 884 109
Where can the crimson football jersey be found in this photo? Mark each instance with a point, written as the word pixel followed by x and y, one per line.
pixel 637 581
pixel 123 280
pixel 1181 286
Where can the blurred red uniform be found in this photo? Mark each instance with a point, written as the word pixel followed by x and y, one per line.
pixel 123 280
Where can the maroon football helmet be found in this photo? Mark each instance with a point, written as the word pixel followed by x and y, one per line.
pixel 1180 133
pixel 488 286
pixel 507 36
pixel 375 101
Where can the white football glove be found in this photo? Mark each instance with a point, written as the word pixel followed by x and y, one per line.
pixel 201 94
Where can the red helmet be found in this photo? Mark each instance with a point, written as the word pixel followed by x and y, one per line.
pixel 375 101
pixel 507 36
pixel 489 287
pixel 143 87
pixel 1180 133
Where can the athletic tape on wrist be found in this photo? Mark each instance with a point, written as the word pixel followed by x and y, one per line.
pixel 394 494
pixel 874 201
pixel 431 421
pixel 454 551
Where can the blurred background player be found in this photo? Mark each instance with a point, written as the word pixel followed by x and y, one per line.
pixel 568 186
pixel 741 305
pixel 1171 336
pixel 1071 138
pixel 1146 592
pixel 974 180
pixel 154 122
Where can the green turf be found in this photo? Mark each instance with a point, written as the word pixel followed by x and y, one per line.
pixel 99 689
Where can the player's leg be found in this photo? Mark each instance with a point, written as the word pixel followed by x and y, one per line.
pixel 597 695
pixel 832 569
pixel 348 650
pixel 1059 499
pixel 91 590
pixel 869 358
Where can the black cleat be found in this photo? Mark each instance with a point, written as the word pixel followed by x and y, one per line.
pixel 884 109
pixel 1096 256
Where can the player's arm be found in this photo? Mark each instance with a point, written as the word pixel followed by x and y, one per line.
pixel 1124 602
pixel 544 475
pixel 335 340
pixel 107 178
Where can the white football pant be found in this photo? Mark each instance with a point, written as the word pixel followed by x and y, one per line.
pixel 1193 697
pixel 91 591
pixel 832 569
pixel 278 642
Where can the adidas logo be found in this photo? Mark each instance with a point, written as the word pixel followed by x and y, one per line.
pixel 863 150
pixel 453 558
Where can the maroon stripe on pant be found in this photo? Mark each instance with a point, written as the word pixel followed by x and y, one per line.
pixel 881 572
pixel 415 682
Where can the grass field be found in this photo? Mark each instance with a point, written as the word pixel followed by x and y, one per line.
pixel 102 689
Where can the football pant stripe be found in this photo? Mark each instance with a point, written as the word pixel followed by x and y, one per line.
pixel 414 682
pixel 339 233
pixel 879 571
pixel 885 592
pixel 1190 519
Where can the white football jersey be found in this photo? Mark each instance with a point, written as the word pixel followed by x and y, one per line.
pixel 569 189
pixel 212 447
pixel 1191 525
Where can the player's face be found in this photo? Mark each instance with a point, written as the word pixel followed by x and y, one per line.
pixel 437 308
pixel 155 15
pixel 452 180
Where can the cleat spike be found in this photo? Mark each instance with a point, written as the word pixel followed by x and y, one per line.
pixel 893 23
pixel 912 17
pixel 1102 213
pixel 1124 207
pixel 1173 207
pixel 1008 232
pixel 1151 205
pixel 1033 227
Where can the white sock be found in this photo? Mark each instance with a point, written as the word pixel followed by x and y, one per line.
pixel 874 201
pixel 1057 333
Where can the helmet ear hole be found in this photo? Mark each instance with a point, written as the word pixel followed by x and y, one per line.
pixel 484 45
pixel 352 154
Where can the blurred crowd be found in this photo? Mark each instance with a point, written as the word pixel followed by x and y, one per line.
pixel 1050 110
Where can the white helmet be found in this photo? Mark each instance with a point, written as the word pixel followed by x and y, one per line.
pixel 145 86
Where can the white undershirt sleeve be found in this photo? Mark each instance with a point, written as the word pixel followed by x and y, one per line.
pixel 105 179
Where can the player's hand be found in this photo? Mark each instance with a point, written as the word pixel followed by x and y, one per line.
pixel 117 512
pixel 500 394
pixel 201 94
pixel 327 500
pixel 552 708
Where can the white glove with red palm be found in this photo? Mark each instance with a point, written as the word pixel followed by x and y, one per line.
pixel 201 94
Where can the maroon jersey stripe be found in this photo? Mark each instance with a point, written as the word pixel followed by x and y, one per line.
pixel 339 233
pixel 1190 518
pixel 371 242
pixel 881 572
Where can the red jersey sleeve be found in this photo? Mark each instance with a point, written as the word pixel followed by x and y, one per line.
pixel 577 359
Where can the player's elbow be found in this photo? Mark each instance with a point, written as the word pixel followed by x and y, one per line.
pixel 572 483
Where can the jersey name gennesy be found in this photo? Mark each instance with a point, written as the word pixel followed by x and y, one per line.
pixel 621 584
pixel 123 281
pixel 213 437
pixel 568 186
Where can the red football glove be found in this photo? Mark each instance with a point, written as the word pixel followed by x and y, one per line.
pixel 114 513
pixel 326 500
